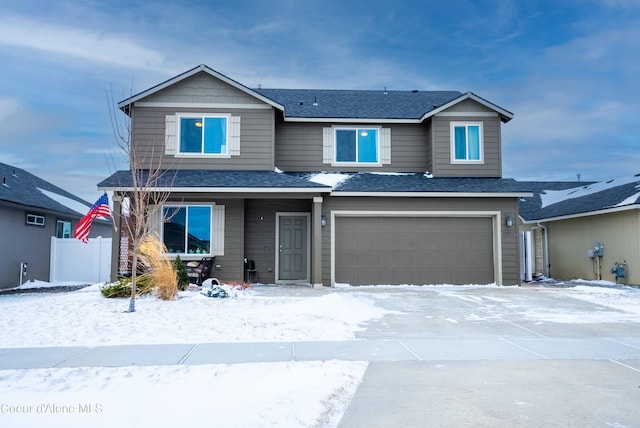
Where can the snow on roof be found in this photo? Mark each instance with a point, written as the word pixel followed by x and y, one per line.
pixel 329 178
pixel 550 197
pixel 67 202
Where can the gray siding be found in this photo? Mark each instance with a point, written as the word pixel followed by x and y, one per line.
pixel 256 139
pixel 507 206
pixel 31 244
pixel 441 137
pixel 260 232
pixel 201 88
pixel 299 148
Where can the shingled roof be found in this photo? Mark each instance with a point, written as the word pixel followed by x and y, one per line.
pixel 21 187
pixel 201 179
pixel 554 200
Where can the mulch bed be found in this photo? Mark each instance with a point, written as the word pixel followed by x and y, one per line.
pixel 60 289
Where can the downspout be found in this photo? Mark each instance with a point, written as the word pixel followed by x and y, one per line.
pixel 546 250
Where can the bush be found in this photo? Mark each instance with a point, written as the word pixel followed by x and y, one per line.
pixel 122 288
pixel 153 257
pixel 181 273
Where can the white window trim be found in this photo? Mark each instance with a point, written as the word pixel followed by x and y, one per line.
pixel 335 161
pixel 35 220
pixel 178 124
pixel 216 245
pixel 452 143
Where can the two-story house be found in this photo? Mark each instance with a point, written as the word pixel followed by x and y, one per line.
pixel 329 186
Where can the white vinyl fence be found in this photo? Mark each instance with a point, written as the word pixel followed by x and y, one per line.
pixel 73 260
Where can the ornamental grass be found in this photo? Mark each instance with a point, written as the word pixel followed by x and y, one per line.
pixel 157 265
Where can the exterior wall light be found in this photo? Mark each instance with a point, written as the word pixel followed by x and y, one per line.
pixel 509 221
pixel 323 220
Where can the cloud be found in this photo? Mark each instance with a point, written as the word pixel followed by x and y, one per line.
pixel 80 43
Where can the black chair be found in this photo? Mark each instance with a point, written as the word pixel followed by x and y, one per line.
pixel 198 271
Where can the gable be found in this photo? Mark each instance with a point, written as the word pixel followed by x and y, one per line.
pixel 201 88
pixel 469 106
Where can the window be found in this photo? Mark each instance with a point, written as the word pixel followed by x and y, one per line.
pixel 356 145
pixel 203 135
pixel 466 142
pixel 35 220
pixel 63 229
pixel 187 229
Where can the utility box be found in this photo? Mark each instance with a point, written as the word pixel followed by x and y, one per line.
pixel 591 253
pixel 598 249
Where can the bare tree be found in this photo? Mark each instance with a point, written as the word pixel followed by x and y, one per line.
pixel 147 188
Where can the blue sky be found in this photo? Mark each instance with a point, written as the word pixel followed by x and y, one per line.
pixel 568 70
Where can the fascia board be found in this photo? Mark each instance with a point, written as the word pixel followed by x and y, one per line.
pixel 474 97
pixel 431 194
pixel 585 214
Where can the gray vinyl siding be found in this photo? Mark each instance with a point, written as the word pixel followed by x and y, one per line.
pixel 32 244
pixel 507 207
pixel 260 232
pixel 441 137
pixel 256 139
pixel 299 148
pixel 201 88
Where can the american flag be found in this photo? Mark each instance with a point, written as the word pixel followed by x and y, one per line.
pixel 99 209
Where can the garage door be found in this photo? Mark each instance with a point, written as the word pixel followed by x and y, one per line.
pixel 414 250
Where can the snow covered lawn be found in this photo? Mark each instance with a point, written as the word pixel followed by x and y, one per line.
pixel 299 394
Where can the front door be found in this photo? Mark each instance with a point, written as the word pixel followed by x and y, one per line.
pixel 293 248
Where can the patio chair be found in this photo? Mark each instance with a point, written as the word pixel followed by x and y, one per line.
pixel 198 271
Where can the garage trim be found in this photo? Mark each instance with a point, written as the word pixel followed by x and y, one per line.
pixel 496 217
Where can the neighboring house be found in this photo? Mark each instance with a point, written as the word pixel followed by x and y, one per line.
pixel 33 210
pixel 328 186
pixel 580 230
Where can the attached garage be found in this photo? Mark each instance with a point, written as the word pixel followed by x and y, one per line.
pixel 416 248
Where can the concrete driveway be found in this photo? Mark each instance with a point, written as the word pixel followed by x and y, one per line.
pixel 500 357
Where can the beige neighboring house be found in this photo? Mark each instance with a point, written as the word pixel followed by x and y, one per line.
pixel 591 231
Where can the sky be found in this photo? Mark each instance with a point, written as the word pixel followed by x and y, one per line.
pixel 568 70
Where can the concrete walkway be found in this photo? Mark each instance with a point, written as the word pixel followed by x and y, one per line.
pixel 470 358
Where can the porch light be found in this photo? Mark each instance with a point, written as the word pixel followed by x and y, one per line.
pixel 323 220
pixel 509 221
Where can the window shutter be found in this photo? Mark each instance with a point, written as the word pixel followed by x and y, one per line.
pixel 385 146
pixel 234 136
pixel 217 247
pixel 170 135
pixel 327 145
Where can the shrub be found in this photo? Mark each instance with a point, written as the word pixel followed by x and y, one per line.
pixel 181 273
pixel 122 288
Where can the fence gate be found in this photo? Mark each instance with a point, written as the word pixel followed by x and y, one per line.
pixel 73 260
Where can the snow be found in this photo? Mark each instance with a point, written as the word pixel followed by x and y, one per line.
pixel 329 178
pixel 67 202
pixel 550 197
pixel 240 395
pixel 630 200
pixel 301 394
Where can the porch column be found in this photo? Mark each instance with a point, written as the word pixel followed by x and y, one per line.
pixel 115 241
pixel 316 239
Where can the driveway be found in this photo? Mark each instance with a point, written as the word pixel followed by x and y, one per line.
pixel 501 357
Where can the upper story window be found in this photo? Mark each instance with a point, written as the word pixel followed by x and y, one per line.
pixel 197 134
pixel 364 146
pixel 466 142
pixel 203 135
pixel 357 145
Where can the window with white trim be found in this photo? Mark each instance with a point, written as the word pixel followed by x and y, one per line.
pixel 35 220
pixel 364 146
pixel 197 134
pixel 203 135
pixel 466 142
pixel 192 230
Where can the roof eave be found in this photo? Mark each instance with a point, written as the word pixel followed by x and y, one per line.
pixel 125 105
pixel 505 115
pixel 584 214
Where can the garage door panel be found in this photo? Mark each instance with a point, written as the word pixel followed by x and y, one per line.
pixel 413 250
